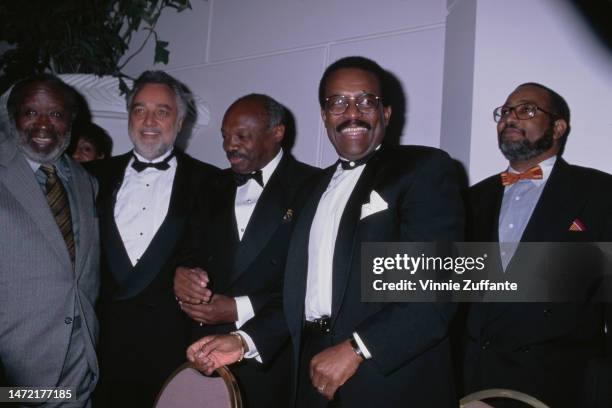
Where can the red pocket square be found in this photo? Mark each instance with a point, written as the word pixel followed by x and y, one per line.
pixel 577 226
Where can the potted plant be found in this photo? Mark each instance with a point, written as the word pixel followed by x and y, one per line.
pixel 77 36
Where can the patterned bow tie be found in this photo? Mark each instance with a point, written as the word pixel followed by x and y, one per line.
pixel 241 179
pixel 161 165
pixel 534 173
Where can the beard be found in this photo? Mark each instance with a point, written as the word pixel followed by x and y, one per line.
pixel 23 140
pixel 150 149
pixel 525 149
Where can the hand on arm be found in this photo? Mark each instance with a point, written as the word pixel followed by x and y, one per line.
pixel 332 367
pixel 212 352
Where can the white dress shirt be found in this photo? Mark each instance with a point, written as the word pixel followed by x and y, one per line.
pixel 142 204
pixel 322 242
pixel 517 206
pixel 244 205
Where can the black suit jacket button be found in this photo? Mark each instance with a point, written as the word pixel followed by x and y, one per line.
pixel 485 345
pixel 68 320
pixel 273 261
pixel 525 349
pixel 210 258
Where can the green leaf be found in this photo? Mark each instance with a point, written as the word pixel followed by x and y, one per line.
pixel 161 53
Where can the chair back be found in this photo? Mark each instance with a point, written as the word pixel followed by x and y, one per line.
pixel 474 400
pixel 189 388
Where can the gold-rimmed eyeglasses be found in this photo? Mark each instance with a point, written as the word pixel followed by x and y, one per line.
pixel 521 111
pixel 338 104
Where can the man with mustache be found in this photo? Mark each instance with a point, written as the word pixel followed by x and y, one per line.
pixel 146 198
pixel 240 237
pixel 349 352
pixel 556 352
pixel 49 247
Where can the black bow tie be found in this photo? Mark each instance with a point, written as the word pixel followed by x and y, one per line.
pixel 241 179
pixel 353 164
pixel 161 165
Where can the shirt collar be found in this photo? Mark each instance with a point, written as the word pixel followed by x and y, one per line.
pixel 368 156
pixel 61 166
pixel 268 169
pixel 155 160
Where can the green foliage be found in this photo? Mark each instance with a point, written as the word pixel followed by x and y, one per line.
pixel 76 36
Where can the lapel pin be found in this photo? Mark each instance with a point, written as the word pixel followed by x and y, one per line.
pixel 288 215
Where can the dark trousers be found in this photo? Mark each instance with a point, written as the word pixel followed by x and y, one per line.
pixel 307 396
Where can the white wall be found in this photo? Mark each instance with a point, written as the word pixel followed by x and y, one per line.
pixel 456 60
pixel 540 41
pixel 223 49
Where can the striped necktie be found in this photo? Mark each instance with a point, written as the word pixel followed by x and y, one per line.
pixel 60 206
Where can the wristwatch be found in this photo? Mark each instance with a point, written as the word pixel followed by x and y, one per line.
pixel 356 348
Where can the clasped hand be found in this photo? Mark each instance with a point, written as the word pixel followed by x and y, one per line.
pixel 198 301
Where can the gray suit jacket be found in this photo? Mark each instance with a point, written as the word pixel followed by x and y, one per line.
pixel 40 295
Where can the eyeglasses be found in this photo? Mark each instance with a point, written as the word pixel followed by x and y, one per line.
pixel 522 111
pixel 338 104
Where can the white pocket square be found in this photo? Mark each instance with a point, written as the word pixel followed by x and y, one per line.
pixel 375 205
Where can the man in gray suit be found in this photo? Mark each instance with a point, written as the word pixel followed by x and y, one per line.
pixel 49 247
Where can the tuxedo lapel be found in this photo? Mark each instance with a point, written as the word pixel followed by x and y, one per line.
pixel 116 257
pixel 345 246
pixel 266 217
pixel 297 259
pixel 133 280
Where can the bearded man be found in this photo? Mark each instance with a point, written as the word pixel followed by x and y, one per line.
pixel 146 197
pixel 556 352
pixel 49 248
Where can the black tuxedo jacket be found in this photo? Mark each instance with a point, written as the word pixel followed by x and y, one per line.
pixel 554 351
pixel 143 333
pixel 410 363
pixel 252 267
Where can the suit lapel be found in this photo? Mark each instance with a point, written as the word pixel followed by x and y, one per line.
pixel 266 217
pixel 345 241
pixel 20 180
pixel 485 228
pixel 83 193
pixel 551 216
pixel 547 223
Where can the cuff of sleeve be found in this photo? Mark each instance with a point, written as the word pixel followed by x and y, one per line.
pixel 362 346
pixel 252 353
pixel 244 310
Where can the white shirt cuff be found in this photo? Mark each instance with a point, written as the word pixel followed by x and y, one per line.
pixel 244 310
pixel 252 353
pixel 362 346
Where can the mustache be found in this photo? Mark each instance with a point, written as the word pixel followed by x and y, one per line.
pixel 510 126
pixel 350 123
pixel 235 154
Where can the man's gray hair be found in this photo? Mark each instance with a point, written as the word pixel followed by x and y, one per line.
pixel 183 96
